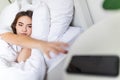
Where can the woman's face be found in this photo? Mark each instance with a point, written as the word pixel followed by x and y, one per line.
pixel 24 26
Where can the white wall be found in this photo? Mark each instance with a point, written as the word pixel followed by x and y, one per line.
pixel 97 12
pixel 3 3
pixel 88 12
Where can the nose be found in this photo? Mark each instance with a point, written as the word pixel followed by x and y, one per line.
pixel 24 29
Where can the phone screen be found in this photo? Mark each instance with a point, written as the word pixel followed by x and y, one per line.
pixel 94 65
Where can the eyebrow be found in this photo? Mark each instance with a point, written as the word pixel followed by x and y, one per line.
pixel 29 24
pixel 23 23
pixel 20 22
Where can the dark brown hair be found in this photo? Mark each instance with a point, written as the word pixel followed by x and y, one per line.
pixel 20 14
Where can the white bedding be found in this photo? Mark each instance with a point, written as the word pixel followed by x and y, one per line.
pixel 33 69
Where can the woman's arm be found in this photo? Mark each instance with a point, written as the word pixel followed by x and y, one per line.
pixel 21 40
pixel 24 54
pixel 29 42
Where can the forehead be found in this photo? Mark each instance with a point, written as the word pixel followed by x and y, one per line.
pixel 24 19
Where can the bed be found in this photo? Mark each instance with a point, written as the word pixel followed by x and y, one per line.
pixel 63 30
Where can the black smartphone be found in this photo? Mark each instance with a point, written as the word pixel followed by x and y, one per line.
pixel 94 65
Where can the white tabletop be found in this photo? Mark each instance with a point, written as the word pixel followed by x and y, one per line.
pixel 102 38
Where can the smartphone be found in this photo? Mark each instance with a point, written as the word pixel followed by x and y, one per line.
pixel 94 65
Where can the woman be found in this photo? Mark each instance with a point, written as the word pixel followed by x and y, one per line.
pixel 29 42
pixel 22 25
pixel 22 29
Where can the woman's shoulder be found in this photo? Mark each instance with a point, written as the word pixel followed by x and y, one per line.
pixel 2 42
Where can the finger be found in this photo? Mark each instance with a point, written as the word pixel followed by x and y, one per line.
pixel 63 50
pixel 60 49
pixel 63 45
pixel 55 50
pixel 47 54
pixel 66 44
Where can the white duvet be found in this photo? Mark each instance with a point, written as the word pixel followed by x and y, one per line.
pixel 33 69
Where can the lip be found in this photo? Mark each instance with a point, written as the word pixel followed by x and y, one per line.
pixel 23 33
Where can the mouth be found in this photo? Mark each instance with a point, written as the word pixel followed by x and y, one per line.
pixel 23 34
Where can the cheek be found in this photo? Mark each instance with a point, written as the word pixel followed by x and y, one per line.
pixel 30 31
pixel 17 29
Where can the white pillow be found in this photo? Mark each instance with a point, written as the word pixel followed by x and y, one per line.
pixel 34 2
pixel 8 14
pixel 26 5
pixel 61 15
pixel 40 21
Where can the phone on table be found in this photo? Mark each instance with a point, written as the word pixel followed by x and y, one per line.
pixel 94 65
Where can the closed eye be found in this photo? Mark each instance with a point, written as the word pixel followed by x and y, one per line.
pixel 29 25
pixel 20 23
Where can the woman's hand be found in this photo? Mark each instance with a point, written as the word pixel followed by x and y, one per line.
pixel 55 47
